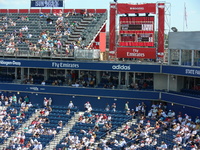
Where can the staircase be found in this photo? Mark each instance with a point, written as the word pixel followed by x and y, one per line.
pixel 114 133
pixel 78 30
pixel 64 131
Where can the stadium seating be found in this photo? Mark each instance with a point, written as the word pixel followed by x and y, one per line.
pixel 78 26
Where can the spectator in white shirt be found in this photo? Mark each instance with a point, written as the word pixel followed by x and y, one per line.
pixel 163 146
pixel 71 105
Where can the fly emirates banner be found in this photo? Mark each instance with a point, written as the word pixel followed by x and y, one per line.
pixel 132 52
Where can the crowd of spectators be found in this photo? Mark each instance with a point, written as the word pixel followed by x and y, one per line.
pixel 11 118
pixel 36 128
pixel 10 40
pixel 159 121
pixel 49 42
pixel 100 122
pixel 88 79
pixel 151 125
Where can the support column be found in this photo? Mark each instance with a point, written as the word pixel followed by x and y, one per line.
pixel 46 76
pixel 126 79
pixel 113 12
pixel 28 72
pixel 133 77
pixel 168 78
pixel 15 73
pixel 79 74
pixel 119 78
pixel 161 28
pixel 180 57
pixel 98 77
pixel 192 61
pixel 22 74
pixel 169 57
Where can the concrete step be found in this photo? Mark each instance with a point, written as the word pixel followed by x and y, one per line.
pixel 80 27
pixel 64 131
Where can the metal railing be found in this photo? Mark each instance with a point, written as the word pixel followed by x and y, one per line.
pixel 73 54
pixel 87 54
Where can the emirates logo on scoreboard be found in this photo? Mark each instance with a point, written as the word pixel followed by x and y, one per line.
pixel 135 53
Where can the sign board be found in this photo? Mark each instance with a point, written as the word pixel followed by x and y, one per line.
pixel 46 3
pixel 132 52
pixel 136 31
pixel 79 65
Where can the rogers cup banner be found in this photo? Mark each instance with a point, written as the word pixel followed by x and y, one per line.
pixel 46 3
pixel 132 52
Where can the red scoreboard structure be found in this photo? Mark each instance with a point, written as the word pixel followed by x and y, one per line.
pixel 136 33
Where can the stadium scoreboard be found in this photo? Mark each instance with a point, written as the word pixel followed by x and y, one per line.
pixel 136 37
pixel 136 31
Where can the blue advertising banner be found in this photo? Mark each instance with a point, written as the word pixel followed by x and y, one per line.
pixel 46 3
pixel 80 65
pixel 179 70
pixel 148 95
pixel 180 99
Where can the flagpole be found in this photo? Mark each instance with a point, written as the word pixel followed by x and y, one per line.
pixel 184 17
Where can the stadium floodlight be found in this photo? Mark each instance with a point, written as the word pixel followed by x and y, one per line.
pixel 174 29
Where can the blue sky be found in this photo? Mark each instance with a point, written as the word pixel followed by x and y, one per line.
pixel 175 20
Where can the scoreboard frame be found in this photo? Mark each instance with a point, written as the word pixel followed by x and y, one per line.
pixel 136 31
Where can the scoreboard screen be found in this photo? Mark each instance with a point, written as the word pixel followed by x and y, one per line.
pixel 136 31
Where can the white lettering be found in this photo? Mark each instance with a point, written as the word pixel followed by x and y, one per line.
pixel 15 63
pixel 197 72
pixel 189 71
pixel 192 71
pixel 34 88
pixel 64 65
pixel 135 50
pixel 135 54
pixel 47 3
pixel 121 67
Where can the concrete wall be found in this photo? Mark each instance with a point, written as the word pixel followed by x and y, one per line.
pixel 173 83
pixel 176 83
pixel 180 83
pixel 160 82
